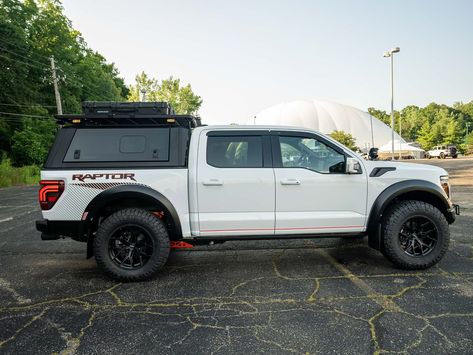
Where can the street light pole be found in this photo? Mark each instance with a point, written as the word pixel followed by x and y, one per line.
pixel 390 54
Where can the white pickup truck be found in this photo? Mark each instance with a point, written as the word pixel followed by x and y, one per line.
pixel 133 187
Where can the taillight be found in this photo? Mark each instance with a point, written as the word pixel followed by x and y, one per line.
pixel 50 192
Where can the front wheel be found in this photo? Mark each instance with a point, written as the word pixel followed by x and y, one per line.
pixel 415 235
pixel 131 245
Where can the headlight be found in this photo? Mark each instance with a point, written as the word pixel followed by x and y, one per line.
pixel 445 184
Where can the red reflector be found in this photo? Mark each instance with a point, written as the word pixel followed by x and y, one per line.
pixel 50 192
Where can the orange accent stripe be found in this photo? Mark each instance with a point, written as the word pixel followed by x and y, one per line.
pixel 237 230
pixel 277 229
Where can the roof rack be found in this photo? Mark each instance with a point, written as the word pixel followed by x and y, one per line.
pixel 128 114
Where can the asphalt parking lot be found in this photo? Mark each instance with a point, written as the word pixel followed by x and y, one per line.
pixel 300 296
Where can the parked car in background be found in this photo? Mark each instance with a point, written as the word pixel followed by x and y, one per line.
pixel 442 151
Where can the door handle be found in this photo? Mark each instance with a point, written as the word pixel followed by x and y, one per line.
pixel 212 182
pixel 290 182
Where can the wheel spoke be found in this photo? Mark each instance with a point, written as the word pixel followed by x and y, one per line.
pixel 418 236
pixel 131 247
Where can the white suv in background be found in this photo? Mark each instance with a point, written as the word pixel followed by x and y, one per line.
pixel 442 151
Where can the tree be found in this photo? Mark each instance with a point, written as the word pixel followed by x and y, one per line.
pixel 380 115
pixel 30 33
pixel 452 134
pixel 345 138
pixel 143 84
pixel 425 136
pixel 181 98
pixel 469 143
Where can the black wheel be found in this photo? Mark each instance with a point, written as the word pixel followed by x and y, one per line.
pixel 415 235
pixel 455 156
pixel 131 245
pixel 428 156
pixel 442 156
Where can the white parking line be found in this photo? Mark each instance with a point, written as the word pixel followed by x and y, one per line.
pixel 6 219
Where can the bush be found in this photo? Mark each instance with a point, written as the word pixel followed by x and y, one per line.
pixel 11 176
pixel 345 138
pixel 29 147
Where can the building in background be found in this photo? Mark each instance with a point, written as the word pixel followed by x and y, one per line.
pixel 326 117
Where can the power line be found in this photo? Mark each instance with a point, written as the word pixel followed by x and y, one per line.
pixel 19 61
pixel 30 106
pixel 22 56
pixel 22 47
pixel 21 114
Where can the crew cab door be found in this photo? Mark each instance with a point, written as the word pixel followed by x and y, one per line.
pixel 235 183
pixel 314 195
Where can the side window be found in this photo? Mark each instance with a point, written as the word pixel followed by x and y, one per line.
pixel 119 145
pixel 310 153
pixel 235 151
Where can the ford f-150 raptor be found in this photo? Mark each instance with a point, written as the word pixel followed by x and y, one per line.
pixel 132 180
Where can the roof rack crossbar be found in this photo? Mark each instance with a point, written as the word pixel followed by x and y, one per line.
pixel 128 114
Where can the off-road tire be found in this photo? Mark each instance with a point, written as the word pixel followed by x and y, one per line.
pixel 394 219
pixel 442 155
pixel 455 156
pixel 148 222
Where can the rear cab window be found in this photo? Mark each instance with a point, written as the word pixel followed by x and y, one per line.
pixel 238 149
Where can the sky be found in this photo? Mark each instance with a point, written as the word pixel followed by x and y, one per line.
pixel 244 56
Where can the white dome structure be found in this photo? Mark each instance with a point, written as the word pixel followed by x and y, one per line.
pixel 326 117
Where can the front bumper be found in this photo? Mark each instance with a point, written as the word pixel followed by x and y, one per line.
pixel 51 230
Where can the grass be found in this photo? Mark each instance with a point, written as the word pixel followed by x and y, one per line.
pixel 12 176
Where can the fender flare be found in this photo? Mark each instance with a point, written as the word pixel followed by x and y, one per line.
pixel 130 191
pixel 393 191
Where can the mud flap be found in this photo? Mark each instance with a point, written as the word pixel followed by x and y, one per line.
pixel 374 238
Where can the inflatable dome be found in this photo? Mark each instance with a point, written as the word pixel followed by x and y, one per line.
pixel 326 117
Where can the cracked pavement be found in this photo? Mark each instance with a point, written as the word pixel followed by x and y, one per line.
pixel 296 296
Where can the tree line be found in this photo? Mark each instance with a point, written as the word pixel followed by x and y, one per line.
pixel 33 31
pixel 434 124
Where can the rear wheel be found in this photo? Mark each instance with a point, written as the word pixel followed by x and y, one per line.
pixel 415 235
pixel 455 156
pixel 442 156
pixel 131 245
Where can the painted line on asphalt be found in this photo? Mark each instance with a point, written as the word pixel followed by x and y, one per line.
pixel 6 219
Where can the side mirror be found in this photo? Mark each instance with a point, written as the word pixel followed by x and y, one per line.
pixel 353 166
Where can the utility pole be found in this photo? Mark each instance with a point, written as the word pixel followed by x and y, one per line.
pixel 390 54
pixel 143 94
pixel 372 134
pixel 56 87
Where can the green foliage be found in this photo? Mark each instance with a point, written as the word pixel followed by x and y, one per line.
pixel 30 33
pixel 31 144
pixel 468 146
pixel 182 98
pixel 345 138
pixel 432 125
pixel 11 176
pixel 380 115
